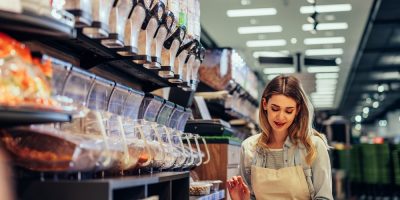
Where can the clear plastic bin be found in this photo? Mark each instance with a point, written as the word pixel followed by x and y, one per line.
pixel 165 112
pixel 184 118
pixel 100 93
pixel 44 149
pixel 118 98
pixel 175 116
pixel 150 107
pixel 132 104
pixel 77 87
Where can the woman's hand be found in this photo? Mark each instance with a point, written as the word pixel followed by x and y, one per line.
pixel 238 190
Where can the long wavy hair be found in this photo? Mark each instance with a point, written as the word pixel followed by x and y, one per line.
pixel 301 129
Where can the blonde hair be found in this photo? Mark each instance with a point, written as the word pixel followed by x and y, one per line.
pixel 301 128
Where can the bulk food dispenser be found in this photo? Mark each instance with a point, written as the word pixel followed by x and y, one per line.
pixel 170 49
pixel 118 17
pixel 100 15
pixel 167 20
pixel 82 11
pixel 147 32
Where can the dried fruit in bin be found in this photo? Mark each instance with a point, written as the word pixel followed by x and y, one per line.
pixel 24 82
pixel 51 150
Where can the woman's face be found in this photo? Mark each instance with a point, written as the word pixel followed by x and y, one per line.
pixel 281 112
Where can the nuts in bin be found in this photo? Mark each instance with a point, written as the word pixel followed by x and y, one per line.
pixel 198 188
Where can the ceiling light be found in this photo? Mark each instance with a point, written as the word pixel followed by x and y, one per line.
pixel 272 76
pixel 324 40
pixel 382 123
pixel 381 88
pixel 375 104
pixel 266 43
pixel 368 100
pixel 338 61
pixel 358 118
pixel 357 127
pixel 326 81
pixel 326 75
pixel 251 12
pixel 365 115
pixel 279 70
pixel 325 8
pixel 323 69
pixel 257 54
pixel 323 52
pixel 330 17
pixel 259 29
pixel 311 1
pixel 366 110
pixel 293 40
pixel 245 2
pixel 390 60
pixel 326 26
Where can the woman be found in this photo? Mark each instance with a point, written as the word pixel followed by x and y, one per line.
pixel 289 159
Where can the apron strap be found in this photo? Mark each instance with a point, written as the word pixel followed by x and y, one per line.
pixel 306 168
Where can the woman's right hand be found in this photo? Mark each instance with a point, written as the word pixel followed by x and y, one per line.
pixel 238 190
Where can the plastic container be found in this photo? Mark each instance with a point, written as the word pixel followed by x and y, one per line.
pixel 100 16
pixel 52 150
pixel 215 184
pixel 132 104
pixel 175 116
pixel 165 112
pixel 150 107
pixel 118 98
pixel 100 93
pixel 118 16
pixel 183 119
pixel 199 188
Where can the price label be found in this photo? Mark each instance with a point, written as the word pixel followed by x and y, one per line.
pixel 11 6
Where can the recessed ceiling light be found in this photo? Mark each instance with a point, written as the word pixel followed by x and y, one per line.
pixel 338 61
pixel 366 110
pixel 382 122
pixel 325 8
pixel 293 40
pixel 245 2
pixel 324 52
pixel 265 43
pixel 326 75
pixel 323 69
pixel 325 81
pixel 257 54
pixel 279 70
pixel 358 118
pixel 253 21
pixel 259 29
pixel 251 12
pixel 375 104
pixel 324 40
pixel 326 26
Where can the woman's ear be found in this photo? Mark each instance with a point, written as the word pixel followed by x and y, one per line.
pixel 264 103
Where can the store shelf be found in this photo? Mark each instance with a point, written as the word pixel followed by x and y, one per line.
pixel 213 196
pixel 95 57
pixel 217 108
pixel 166 185
pixel 30 25
pixel 13 117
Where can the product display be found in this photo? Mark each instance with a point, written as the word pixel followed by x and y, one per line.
pixel 199 188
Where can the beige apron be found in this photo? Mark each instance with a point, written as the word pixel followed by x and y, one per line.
pixel 277 184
